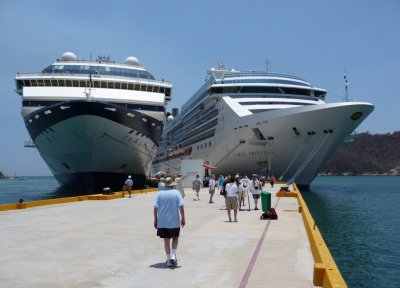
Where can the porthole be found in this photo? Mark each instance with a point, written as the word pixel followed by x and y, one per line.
pixel 356 116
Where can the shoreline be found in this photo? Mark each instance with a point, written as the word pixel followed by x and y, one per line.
pixel 364 174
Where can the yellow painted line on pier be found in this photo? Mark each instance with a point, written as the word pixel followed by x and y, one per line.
pixel 115 195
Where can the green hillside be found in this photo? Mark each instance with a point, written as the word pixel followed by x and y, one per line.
pixel 367 154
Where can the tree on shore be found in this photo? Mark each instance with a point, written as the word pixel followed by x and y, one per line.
pixel 367 154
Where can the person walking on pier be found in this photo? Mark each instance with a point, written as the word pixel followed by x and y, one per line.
pixel 128 185
pixel 220 182
pixel 272 181
pixel 179 184
pixel 231 200
pixel 169 216
pixel 161 184
pixel 255 190
pixel 211 189
pixel 196 187
pixel 244 187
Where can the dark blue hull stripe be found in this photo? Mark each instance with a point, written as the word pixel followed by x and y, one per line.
pixel 38 121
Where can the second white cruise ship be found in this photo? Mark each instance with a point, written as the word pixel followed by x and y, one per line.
pixel 258 122
pixel 94 122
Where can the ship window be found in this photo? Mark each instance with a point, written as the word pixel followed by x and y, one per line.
pixel 319 93
pixel 103 84
pixel 34 83
pixel 19 84
pixel 68 83
pixel 40 82
pixel 162 89
pixel 96 84
pixel 111 85
pixel 229 89
pixel 168 92
pixel 209 143
pixel 130 86
pixel 75 83
pixel 149 88
pixel 117 85
pixel 47 82
pixel 142 87
pixel 205 145
pixel 296 91
pixel 124 85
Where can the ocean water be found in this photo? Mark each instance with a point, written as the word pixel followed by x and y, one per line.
pixel 359 218
pixel 31 189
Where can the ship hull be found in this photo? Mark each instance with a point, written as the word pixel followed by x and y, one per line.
pixel 293 143
pixel 91 145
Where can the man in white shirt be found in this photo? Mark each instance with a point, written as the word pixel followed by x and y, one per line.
pixel 231 200
pixel 169 216
pixel 211 189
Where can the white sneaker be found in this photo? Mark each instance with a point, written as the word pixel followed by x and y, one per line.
pixel 173 260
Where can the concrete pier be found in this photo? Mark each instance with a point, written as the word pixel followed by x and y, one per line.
pixel 114 244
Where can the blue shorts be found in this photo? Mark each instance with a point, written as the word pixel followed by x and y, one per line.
pixel 256 196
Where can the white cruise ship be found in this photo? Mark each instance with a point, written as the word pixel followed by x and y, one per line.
pixel 258 122
pixel 94 122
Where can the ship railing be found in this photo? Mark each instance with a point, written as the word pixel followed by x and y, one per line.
pixel 86 76
pixel 175 154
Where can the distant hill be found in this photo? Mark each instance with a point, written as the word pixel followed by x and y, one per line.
pixel 368 154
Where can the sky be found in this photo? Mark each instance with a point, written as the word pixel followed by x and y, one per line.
pixel 180 40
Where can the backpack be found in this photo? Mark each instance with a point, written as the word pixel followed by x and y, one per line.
pixel 271 214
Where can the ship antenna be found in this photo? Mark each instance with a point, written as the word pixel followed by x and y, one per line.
pixel 346 87
pixel 221 67
pixel 267 62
